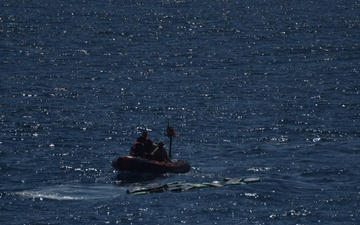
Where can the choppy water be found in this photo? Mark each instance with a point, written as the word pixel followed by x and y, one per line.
pixel 265 89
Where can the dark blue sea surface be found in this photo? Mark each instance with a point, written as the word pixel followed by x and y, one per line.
pixel 259 88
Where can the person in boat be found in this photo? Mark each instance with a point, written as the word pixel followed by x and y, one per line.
pixel 159 153
pixel 148 145
pixel 137 149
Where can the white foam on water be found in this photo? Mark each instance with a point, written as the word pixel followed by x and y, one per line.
pixel 74 192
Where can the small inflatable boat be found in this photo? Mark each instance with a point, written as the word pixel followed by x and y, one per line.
pixel 137 164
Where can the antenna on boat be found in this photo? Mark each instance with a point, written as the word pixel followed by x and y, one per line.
pixel 170 132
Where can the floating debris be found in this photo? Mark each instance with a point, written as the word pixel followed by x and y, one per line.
pixel 179 186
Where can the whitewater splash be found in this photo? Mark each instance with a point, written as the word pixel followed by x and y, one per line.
pixel 73 192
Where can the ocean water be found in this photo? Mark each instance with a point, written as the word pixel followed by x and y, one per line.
pixel 259 88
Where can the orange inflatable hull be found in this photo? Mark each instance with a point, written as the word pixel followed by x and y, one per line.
pixel 137 164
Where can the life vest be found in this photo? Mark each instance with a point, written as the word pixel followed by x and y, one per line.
pixel 137 149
